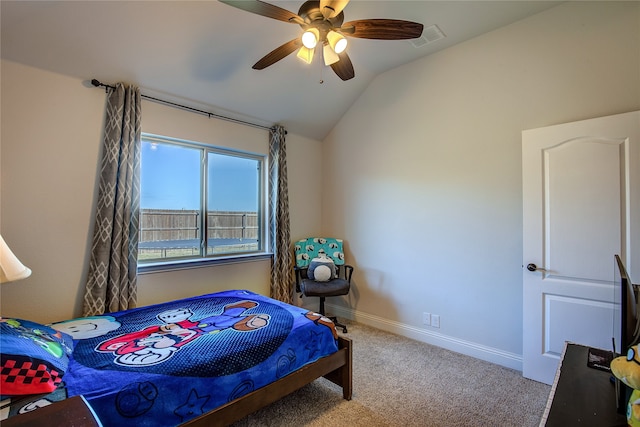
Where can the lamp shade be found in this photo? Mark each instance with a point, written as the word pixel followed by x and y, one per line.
pixel 330 57
pixel 10 266
pixel 337 41
pixel 310 38
pixel 305 54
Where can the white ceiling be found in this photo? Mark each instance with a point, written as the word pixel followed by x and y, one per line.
pixel 200 53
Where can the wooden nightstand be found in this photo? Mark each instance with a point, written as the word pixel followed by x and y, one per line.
pixel 73 411
pixel 581 395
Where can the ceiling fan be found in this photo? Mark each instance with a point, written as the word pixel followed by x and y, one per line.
pixel 322 22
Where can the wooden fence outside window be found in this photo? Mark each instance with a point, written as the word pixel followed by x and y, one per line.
pixel 181 229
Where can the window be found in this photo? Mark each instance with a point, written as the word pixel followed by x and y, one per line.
pixel 188 187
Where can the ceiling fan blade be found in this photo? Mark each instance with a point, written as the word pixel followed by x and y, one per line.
pixel 265 9
pixel 382 29
pixel 277 54
pixel 331 8
pixel 343 68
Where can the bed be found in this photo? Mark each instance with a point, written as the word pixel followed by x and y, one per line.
pixel 201 361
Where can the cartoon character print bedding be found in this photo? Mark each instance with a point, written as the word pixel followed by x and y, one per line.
pixel 165 364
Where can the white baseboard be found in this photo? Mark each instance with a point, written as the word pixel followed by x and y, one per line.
pixel 479 351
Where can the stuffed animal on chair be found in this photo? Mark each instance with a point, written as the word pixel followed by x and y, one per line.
pixel 627 369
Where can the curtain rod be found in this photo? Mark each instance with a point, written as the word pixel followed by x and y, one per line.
pixel 97 83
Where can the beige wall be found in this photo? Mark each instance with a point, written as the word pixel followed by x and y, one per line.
pixel 49 153
pixel 426 170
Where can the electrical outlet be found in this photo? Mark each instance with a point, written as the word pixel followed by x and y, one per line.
pixel 426 318
pixel 435 320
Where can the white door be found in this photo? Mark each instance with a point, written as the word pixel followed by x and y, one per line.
pixel 581 191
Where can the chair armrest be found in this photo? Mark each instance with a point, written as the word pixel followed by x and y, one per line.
pixel 348 271
pixel 298 273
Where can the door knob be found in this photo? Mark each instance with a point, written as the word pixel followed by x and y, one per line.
pixel 533 267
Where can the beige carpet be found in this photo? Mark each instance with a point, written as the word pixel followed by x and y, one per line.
pixel 402 382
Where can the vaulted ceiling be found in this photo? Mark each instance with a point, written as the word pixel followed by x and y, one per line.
pixel 200 53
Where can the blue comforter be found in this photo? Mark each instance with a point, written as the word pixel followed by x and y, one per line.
pixel 165 364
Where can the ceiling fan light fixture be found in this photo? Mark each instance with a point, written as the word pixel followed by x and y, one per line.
pixel 323 21
pixel 337 41
pixel 305 54
pixel 310 38
pixel 330 57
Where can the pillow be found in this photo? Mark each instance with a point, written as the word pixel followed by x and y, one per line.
pixel 34 357
pixel 321 269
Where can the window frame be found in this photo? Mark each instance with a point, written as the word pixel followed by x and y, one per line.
pixel 204 259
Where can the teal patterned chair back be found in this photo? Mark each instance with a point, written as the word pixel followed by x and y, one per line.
pixel 310 248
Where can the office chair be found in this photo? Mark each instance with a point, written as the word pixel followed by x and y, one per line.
pixel 321 271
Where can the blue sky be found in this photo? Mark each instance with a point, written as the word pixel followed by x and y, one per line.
pixel 170 179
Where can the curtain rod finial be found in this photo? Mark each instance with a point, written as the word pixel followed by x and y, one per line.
pixel 98 83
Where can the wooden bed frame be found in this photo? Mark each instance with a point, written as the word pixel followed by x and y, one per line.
pixel 335 367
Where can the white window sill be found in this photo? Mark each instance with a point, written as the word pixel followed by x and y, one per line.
pixel 159 267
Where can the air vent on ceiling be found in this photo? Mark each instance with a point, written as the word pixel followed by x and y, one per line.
pixel 430 34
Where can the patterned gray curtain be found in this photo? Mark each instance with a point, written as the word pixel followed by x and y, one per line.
pixel 112 280
pixel 279 233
